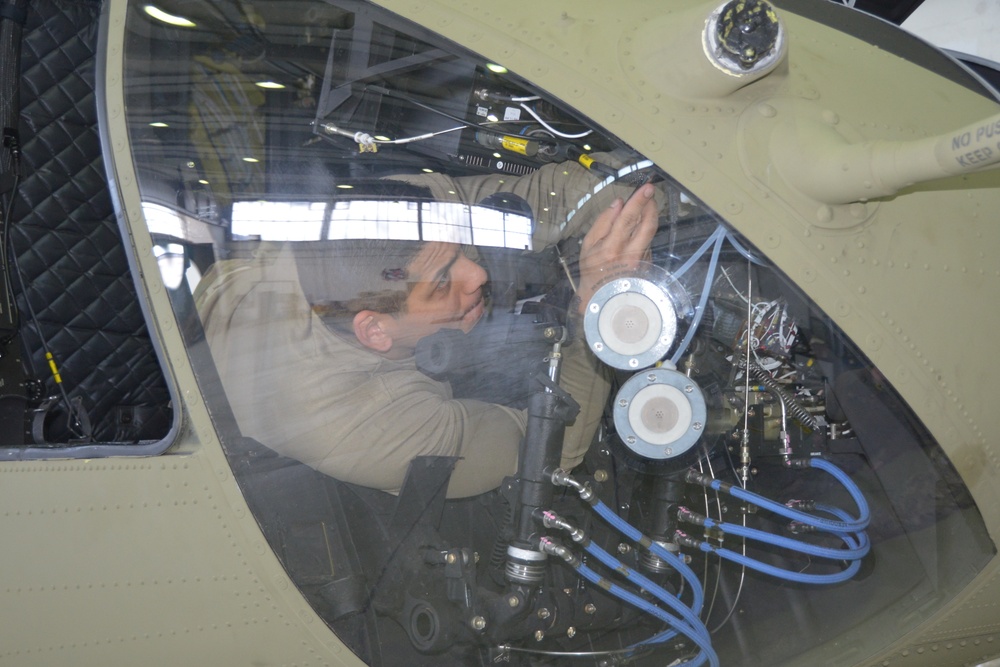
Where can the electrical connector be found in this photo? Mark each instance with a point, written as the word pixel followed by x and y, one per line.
pixel 12 142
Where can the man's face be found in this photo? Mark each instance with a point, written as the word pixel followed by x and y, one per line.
pixel 447 292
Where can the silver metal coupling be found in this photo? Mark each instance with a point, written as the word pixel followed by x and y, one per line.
pixel 687 516
pixel 685 540
pixel 549 546
pixel 561 477
pixel 552 520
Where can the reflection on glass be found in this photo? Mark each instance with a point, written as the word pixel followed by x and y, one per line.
pixel 278 221
pixel 170 259
pixel 419 302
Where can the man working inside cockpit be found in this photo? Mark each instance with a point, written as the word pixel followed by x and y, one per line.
pixel 348 400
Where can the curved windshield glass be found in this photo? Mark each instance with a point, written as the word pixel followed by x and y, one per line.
pixel 463 348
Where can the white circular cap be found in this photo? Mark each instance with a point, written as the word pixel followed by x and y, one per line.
pixel 630 323
pixel 660 414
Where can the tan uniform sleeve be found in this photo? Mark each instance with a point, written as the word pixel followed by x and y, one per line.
pixel 311 395
pixel 564 197
pixel 308 394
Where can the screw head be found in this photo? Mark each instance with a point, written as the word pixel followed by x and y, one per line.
pixel 478 623
pixel 513 601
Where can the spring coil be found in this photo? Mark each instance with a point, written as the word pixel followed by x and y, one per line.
pixel 792 405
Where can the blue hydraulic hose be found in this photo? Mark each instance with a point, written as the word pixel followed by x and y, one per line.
pixel 743 251
pixel 854 553
pixel 840 514
pixel 848 483
pixel 849 525
pixel 862 536
pixel 674 560
pixel 720 231
pixel 693 623
pixel 707 652
pixel 792 513
pixel 797 515
pixel 788 575
pixel 717 238
pixel 849 529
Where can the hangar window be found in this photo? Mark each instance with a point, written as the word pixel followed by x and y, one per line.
pixel 432 383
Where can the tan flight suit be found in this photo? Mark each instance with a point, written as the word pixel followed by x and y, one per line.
pixel 320 398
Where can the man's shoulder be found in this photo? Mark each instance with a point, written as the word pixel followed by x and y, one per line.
pixel 240 275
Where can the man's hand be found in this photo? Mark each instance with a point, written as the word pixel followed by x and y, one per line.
pixel 617 242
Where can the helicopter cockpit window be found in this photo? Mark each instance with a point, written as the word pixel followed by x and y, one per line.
pixel 497 387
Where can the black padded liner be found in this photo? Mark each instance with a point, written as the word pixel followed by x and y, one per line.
pixel 66 237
